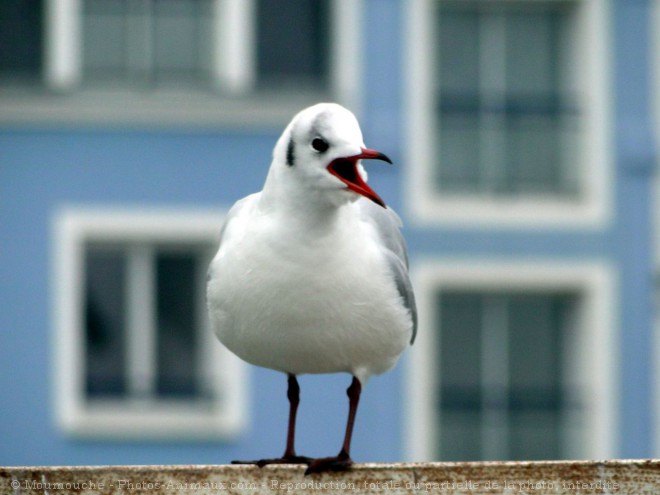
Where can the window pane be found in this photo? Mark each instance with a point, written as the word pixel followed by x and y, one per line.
pixel 461 433
pixel 534 154
pixel 536 401
pixel 21 27
pixel 105 36
pixel 293 43
pixel 535 341
pixel 534 104
pixel 459 169
pixel 177 324
pixel 458 49
pixel 460 376
pixel 182 34
pixel 532 51
pixel 535 436
pixel 105 316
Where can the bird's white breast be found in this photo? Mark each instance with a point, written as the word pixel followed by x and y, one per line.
pixel 307 301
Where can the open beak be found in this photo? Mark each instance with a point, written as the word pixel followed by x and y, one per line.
pixel 345 169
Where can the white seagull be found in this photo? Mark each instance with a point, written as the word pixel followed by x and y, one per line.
pixel 311 275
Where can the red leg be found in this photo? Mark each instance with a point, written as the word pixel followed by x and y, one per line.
pixel 342 461
pixel 289 457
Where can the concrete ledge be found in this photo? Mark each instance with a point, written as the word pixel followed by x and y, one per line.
pixel 625 477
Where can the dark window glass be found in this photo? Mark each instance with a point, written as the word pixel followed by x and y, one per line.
pixel 21 39
pixel 177 324
pixel 293 43
pixel 460 372
pixel 105 315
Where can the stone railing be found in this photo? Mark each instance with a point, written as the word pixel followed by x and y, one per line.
pixel 568 477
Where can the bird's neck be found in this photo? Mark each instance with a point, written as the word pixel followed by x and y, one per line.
pixel 299 208
pixel 308 216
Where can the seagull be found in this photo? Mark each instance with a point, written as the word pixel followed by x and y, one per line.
pixel 311 275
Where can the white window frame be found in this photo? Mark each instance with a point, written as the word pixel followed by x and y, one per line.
pixel 233 67
pixel 153 419
pixel 593 207
pixel 593 360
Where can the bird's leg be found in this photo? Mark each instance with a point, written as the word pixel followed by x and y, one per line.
pixel 342 461
pixel 289 457
pixel 293 394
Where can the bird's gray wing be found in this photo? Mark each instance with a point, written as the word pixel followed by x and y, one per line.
pixel 388 225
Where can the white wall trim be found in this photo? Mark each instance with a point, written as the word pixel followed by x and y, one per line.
pixel 114 419
pixel 595 370
pixel 62 46
pixel 593 209
pixel 234 45
pixel 346 67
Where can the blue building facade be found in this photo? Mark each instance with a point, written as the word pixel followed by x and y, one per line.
pixel 524 140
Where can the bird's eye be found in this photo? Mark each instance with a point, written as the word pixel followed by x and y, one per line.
pixel 320 144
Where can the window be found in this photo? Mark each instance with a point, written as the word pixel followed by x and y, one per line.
pixel 136 354
pixel 147 43
pixel 153 42
pixel 508 367
pixel 503 394
pixel 504 111
pixel 505 122
pixel 217 59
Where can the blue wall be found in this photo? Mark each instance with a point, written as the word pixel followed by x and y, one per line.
pixel 636 161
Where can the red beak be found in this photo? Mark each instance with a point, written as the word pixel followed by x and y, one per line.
pixel 345 169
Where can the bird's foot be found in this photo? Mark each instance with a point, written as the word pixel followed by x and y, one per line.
pixel 341 462
pixel 288 459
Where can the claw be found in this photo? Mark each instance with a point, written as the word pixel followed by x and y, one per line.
pixel 342 462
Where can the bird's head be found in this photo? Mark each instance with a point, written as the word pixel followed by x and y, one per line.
pixel 320 153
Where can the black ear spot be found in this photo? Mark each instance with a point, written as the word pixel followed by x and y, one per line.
pixel 290 154
pixel 320 144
